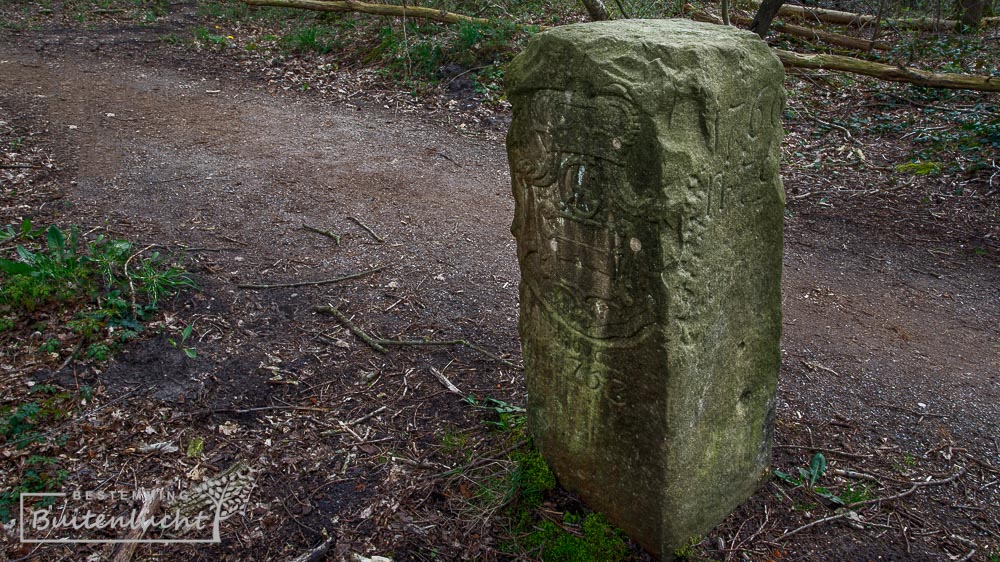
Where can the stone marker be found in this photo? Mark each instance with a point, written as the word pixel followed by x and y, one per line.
pixel 644 158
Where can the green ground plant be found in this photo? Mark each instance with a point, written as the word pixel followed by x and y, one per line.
pixel 808 478
pixel 87 295
pixel 185 335
pixel 519 491
pixel 104 282
pixel 22 426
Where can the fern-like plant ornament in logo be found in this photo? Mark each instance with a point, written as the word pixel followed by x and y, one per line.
pixel 163 517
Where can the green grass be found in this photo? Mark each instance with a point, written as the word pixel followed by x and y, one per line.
pixel 519 491
pixel 595 540
pixel 207 38
pixel 312 38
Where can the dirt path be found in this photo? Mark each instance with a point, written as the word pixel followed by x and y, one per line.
pixel 888 346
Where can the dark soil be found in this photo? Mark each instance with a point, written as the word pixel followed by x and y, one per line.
pixel 891 300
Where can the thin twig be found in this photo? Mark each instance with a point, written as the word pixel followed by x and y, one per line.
pixel 840 128
pixel 19 166
pixel 760 529
pixel 856 475
pixel 909 411
pixel 485 460
pixel 822 450
pixel 987 466
pixel 131 282
pixel 368 416
pixel 367 229
pixel 912 489
pixel 813 524
pixel 327 233
pixel 312 283
pixel 211 411
pixel 372 342
pixel 76 350
pixel 466 343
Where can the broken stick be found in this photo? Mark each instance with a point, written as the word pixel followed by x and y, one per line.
pixel 312 283
pixel 372 342
pixel 367 229
pixel 327 233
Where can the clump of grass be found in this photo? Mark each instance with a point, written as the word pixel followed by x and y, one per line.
pixel 62 269
pixel 83 295
pixel 91 288
pixel 518 491
pixel 313 38
pixel 595 540
pixel 206 38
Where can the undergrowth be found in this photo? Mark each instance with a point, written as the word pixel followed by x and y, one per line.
pixel 78 298
pixel 523 493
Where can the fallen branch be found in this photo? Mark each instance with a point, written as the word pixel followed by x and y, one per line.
pixel 368 229
pixel 824 36
pixel 19 166
pixel 914 488
pixel 346 322
pixel 788 58
pixel 313 283
pixel 796 30
pixel 376 10
pixel 890 73
pixel 860 20
pixel 327 233
pixel 813 524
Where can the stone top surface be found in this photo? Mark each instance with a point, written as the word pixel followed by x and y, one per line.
pixel 614 51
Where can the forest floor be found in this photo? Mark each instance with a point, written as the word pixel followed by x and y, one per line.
pixel 891 345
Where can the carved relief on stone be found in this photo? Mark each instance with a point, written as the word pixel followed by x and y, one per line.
pixel 588 250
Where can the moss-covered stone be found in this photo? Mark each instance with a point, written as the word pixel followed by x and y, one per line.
pixel 644 158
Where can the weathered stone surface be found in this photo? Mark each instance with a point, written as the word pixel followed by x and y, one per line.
pixel 644 158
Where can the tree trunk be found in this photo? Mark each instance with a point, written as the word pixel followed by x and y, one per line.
pixel 972 13
pixel 762 21
pixel 596 10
